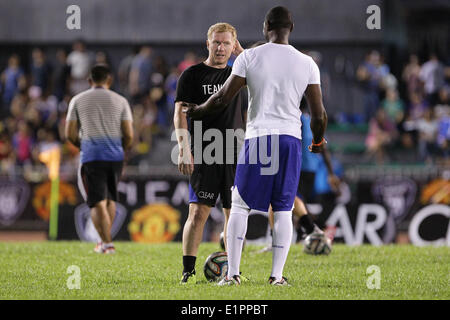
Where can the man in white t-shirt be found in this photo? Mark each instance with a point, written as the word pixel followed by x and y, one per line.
pixel 277 76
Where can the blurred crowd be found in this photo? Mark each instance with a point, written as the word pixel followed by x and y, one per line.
pixel 417 122
pixel 34 104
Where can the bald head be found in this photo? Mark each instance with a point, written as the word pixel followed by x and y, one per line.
pixel 278 18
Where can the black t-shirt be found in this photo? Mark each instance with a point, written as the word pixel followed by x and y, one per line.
pixel 197 84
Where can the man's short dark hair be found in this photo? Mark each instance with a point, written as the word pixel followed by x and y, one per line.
pixel 278 18
pixel 99 73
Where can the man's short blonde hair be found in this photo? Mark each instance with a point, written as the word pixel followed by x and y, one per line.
pixel 222 27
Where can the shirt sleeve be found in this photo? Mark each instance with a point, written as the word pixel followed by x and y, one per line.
pixel 126 113
pixel 72 111
pixel 314 77
pixel 240 65
pixel 184 90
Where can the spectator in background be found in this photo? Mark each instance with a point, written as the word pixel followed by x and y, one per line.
pixel 124 72
pixel 80 62
pixel 371 74
pixel 170 87
pixel 190 58
pixel 443 136
pixel 40 70
pixel 140 75
pixel 61 75
pixel 13 80
pixel 427 128
pixel 5 150
pixel 22 143
pixel 432 75
pixel 382 132
pixel 411 76
pixel 417 106
pixel 443 119
pixel 393 106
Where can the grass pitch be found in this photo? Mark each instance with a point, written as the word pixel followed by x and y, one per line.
pixel 139 271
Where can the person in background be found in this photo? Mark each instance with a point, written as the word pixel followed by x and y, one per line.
pixel 393 106
pixel 411 76
pixel 12 80
pixel 40 71
pixel 61 75
pixel 432 76
pixel 80 62
pixel 381 133
pixel 140 75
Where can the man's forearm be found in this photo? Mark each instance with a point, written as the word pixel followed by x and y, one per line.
pixel 181 129
pixel 319 125
pixel 216 102
pixel 327 159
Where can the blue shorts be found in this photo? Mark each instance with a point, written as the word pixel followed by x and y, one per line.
pixel 268 173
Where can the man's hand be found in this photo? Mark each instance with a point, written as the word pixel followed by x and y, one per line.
pixel 185 162
pixel 237 48
pixel 334 183
pixel 317 147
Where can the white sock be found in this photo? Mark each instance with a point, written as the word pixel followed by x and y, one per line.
pixel 281 241
pixel 108 245
pixel 236 230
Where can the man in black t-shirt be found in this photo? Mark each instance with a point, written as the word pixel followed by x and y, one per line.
pixel 210 158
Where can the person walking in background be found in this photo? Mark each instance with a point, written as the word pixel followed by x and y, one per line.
pixel 99 122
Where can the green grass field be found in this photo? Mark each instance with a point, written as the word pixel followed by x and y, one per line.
pixel 38 270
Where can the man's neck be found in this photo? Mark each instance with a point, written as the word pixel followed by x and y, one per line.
pixel 279 37
pixel 209 63
pixel 99 86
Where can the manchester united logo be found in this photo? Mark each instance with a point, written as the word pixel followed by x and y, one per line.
pixel 154 223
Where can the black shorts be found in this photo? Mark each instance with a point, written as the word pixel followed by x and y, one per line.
pixel 97 181
pixel 207 182
pixel 306 185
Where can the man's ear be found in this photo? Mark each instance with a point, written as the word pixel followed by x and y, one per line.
pixel 109 80
pixel 292 27
pixel 207 44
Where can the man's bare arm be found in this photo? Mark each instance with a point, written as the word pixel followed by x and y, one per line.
pixel 185 162
pixel 71 132
pixel 127 134
pixel 319 118
pixel 219 100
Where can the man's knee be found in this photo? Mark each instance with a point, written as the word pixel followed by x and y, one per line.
pixel 198 214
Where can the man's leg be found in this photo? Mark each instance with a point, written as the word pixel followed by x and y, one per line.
pixel 102 220
pixel 226 213
pixel 111 207
pixel 305 220
pixel 192 234
pixel 236 230
pixel 281 241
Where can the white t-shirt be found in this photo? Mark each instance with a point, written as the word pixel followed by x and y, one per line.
pixel 277 76
pixel 80 63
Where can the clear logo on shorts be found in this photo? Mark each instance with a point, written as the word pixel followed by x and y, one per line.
pixel 206 195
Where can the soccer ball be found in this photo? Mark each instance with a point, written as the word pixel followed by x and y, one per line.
pixel 216 266
pixel 317 244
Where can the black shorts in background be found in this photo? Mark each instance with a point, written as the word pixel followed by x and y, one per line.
pixel 306 185
pixel 207 182
pixel 97 181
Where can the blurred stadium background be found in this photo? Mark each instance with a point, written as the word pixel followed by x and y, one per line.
pixel 386 92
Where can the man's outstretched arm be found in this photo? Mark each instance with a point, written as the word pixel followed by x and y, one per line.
pixel 217 101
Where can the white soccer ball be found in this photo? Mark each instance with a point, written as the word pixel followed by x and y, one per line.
pixel 317 244
pixel 216 266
